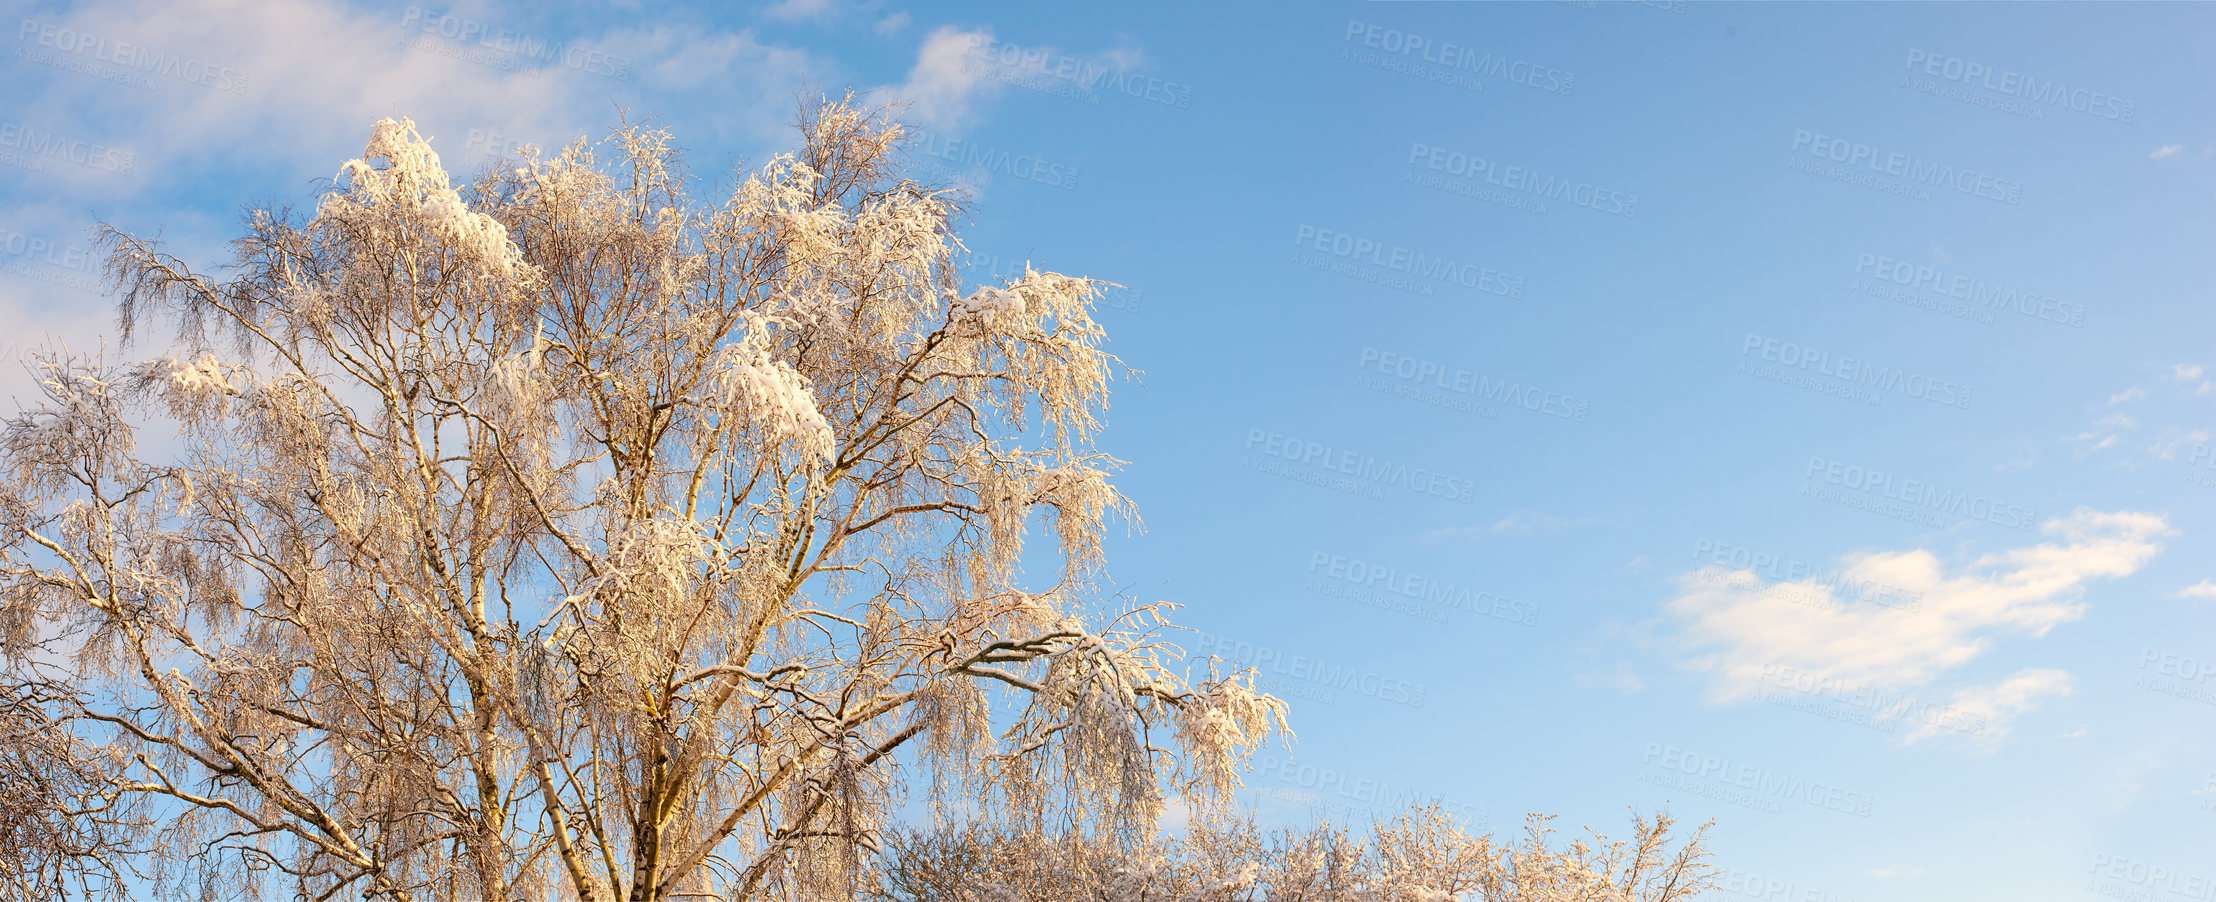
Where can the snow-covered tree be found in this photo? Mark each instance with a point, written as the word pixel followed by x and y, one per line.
pixel 557 535
pixel 63 825
pixel 1421 855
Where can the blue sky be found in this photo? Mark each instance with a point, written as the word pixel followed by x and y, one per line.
pixel 1797 415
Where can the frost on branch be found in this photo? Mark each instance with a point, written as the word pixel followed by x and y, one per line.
pixel 989 303
pixel 78 433
pixel 1218 722
pixel 192 389
pixel 747 382
pixel 411 191
pixel 1038 329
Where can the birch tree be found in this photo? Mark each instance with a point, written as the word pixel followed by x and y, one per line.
pixel 554 534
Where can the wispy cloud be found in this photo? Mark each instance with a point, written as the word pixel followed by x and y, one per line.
pixel 2166 150
pixel 1519 522
pixel 293 87
pixel 1996 704
pixel 945 82
pixel 2174 440
pixel 1619 677
pixel 800 10
pixel 1738 630
pixel 2106 432
pixel 312 75
pixel 957 68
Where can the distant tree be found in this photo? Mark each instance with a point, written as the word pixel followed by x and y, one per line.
pixel 1416 856
pixel 555 535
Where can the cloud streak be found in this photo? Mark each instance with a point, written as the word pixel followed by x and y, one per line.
pixel 1738 630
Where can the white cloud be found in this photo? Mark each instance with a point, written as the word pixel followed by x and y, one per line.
pixel 955 69
pixel 893 24
pixel 2203 589
pixel 2107 431
pixel 1524 522
pixel 311 76
pixel 2174 440
pixel 1521 522
pixel 800 10
pixel 2166 150
pixel 945 80
pixel 315 74
pixel 2133 393
pixel 2187 372
pixel 1741 631
pixel 1620 677
pixel 2026 456
pixel 1992 706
